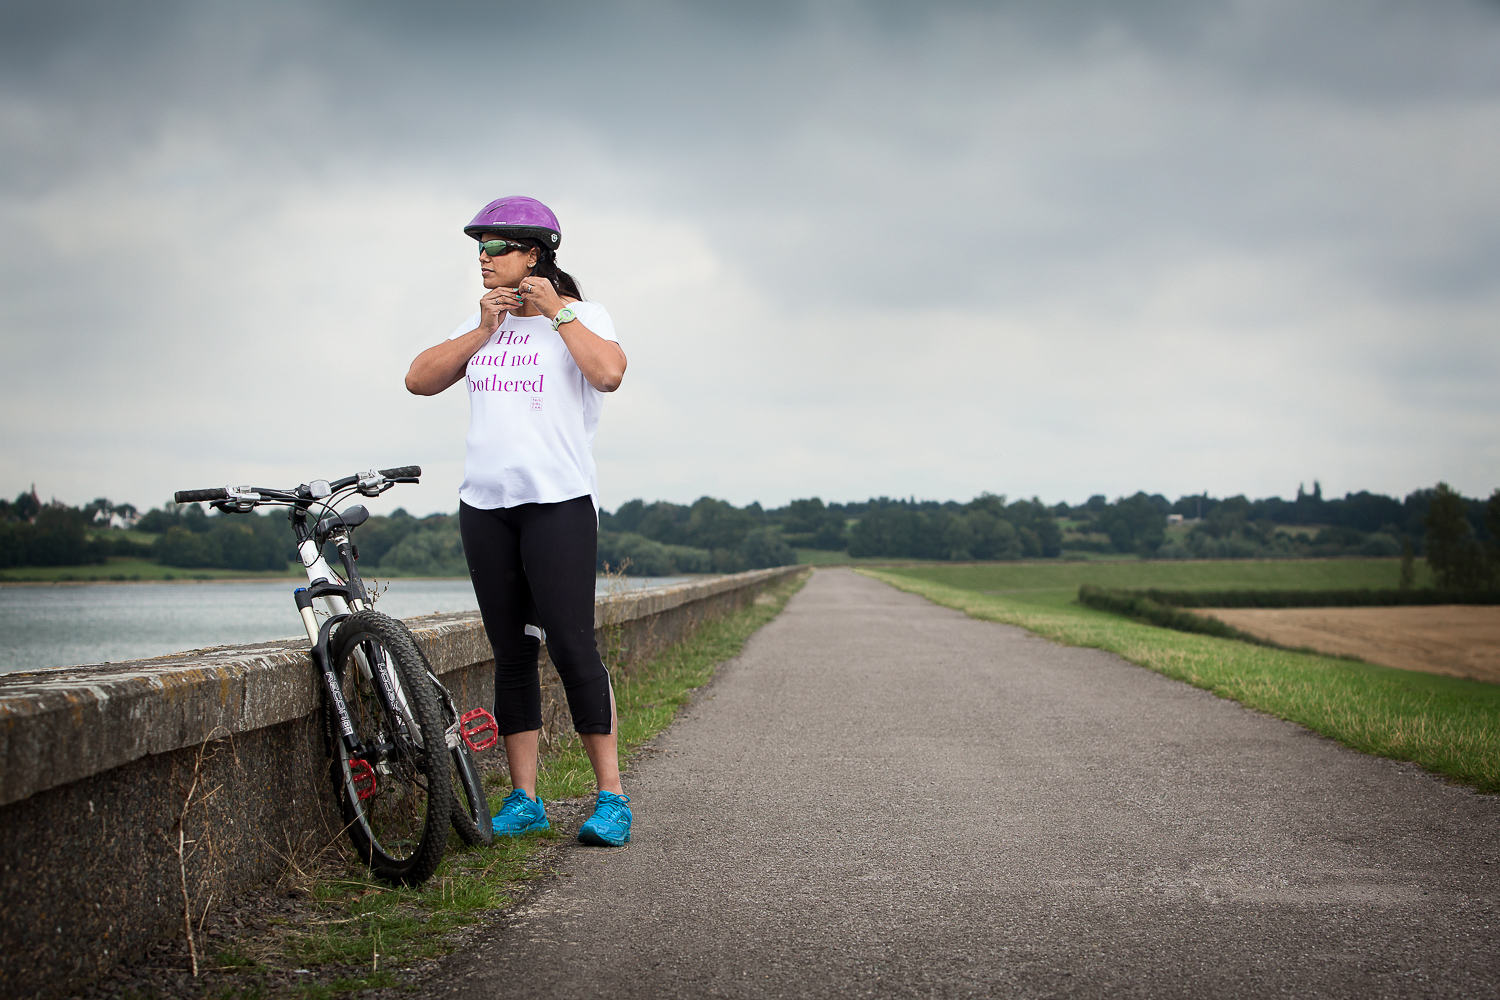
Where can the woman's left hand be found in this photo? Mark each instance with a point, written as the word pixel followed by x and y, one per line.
pixel 539 292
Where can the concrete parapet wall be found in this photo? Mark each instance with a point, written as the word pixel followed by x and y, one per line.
pixel 102 767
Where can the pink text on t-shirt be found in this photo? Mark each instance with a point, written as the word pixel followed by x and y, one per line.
pixel 492 383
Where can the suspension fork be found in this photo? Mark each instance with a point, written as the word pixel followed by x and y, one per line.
pixel 323 663
pixel 340 597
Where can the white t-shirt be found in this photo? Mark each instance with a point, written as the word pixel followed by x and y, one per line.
pixel 532 414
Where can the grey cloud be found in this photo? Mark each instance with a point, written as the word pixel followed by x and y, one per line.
pixel 1129 203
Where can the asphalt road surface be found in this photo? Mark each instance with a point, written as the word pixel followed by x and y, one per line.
pixel 881 797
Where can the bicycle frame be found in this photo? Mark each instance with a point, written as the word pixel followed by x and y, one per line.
pixel 341 595
pixel 388 725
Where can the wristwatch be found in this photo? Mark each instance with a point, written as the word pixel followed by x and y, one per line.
pixel 564 315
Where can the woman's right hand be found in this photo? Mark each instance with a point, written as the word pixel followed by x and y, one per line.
pixel 494 305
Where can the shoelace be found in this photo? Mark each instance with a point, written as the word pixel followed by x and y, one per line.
pixel 515 803
pixel 611 810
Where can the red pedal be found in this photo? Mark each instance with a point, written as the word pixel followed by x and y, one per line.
pixel 363 777
pixel 475 725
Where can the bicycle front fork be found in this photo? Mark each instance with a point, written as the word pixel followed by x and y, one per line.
pixel 324 663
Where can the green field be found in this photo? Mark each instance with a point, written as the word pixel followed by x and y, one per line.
pixel 1216 574
pixel 1447 725
pixel 121 568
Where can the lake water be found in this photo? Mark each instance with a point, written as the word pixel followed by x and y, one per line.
pixel 52 626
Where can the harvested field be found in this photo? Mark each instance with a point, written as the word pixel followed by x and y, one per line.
pixel 1456 640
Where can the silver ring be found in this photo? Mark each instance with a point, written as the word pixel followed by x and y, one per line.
pixel 525 288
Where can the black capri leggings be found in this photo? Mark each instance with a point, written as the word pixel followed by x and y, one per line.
pixel 533 564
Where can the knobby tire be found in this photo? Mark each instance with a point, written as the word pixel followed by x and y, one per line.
pixel 471 809
pixel 401 831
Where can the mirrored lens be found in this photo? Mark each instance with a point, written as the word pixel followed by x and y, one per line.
pixel 498 248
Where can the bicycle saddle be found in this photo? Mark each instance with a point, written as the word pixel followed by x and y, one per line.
pixel 353 517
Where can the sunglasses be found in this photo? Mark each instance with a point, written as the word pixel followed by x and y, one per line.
pixel 499 248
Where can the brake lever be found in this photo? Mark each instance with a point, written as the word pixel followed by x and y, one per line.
pixel 241 500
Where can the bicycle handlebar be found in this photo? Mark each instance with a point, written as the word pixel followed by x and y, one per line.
pixel 403 472
pixel 192 496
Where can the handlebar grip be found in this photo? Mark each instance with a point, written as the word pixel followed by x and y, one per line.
pixel 404 472
pixel 192 496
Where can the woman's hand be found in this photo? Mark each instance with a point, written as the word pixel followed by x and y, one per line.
pixel 539 292
pixel 494 305
pixel 601 361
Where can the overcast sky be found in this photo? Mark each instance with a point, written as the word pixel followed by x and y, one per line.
pixel 852 250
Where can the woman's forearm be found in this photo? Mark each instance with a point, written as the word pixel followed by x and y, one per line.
pixel 601 361
pixel 438 367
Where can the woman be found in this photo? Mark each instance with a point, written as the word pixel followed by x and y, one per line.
pixel 536 360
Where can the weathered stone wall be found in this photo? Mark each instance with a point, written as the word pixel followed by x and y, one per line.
pixel 102 767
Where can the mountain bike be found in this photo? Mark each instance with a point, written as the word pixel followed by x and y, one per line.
pixel 388 717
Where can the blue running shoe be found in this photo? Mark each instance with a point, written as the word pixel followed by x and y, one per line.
pixel 610 824
pixel 519 813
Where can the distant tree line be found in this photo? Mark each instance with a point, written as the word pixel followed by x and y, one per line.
pixel 984 528
pixel 33 533
pixel 1459 536
pixel 403 545
pixel 398 543
pixel 708 536
pixel 1359 524
pixel 187 537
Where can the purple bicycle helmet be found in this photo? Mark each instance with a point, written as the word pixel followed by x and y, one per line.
pixel 517 217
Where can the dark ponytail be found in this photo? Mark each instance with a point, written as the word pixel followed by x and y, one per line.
pixel 546 267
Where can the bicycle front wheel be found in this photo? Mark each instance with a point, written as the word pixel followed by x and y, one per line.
pixel 396 792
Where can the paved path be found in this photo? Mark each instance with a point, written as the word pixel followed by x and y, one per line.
pixel 885 798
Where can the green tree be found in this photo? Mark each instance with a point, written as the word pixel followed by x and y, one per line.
pixel 435 552
pixel 811 524
pixel 763 548
pixel 1492 547
pixel 27 505
pixel 178 546
pixel 1135 524
pixel 718 524
pixel 888 531
pixel 1453 553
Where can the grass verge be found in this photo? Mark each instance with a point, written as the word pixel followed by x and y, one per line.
pixel 1447 725
pixel 334 931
